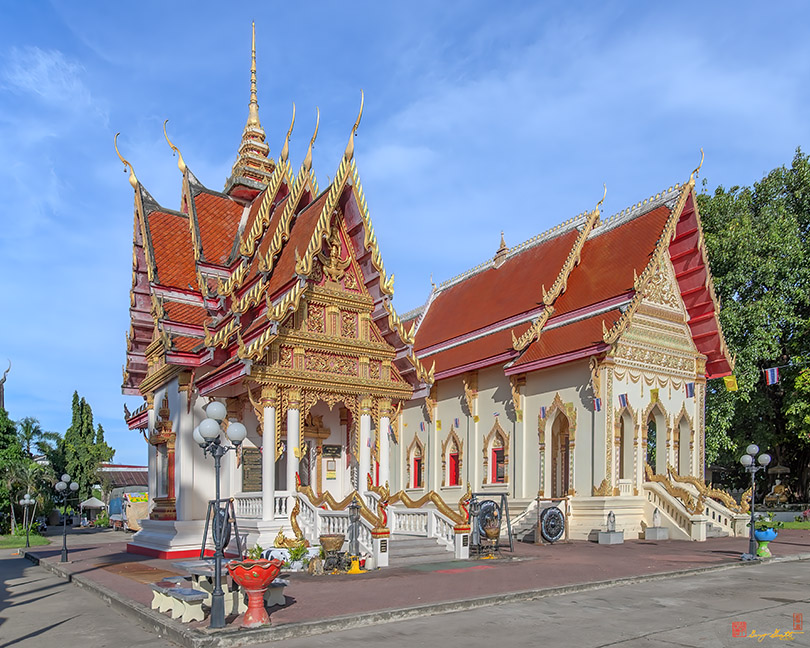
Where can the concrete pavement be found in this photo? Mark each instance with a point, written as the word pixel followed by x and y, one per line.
pixel 39 610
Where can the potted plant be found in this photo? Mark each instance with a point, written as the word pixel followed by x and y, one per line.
pixel 298 557
pixel 254 574
pixel 765 532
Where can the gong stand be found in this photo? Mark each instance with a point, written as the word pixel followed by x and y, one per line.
pixel 480 505
pixel 551 527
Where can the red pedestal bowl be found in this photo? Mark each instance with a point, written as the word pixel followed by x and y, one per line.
pixel 254 576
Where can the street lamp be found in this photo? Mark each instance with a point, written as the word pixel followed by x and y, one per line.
pixel 65 487
pixel 750 461
pixel 25 502
pixel 207 436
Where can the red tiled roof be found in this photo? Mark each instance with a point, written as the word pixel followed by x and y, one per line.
pixel 569 338
pixel 171 247
pixel 185 313
pixel 495 294
pixel 303 228
pixel 487 348
pixel 218 218
pixel 608 260
pixel 185 344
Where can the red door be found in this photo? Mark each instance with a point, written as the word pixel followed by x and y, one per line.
pixel 454 476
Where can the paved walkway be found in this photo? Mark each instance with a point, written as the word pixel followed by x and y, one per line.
pixel 413 591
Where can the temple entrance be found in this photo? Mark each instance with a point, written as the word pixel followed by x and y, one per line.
pixel 626 446
pixel 682 452
pixel 560 478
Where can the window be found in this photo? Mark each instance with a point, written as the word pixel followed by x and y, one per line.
pixel 498 466
pixel 453 467
pixel 417 472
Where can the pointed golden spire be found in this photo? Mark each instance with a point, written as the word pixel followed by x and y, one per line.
pixel 308 158
pixel 180 163
pixel 253 107
pixel 132 179
pixel 253 167
pixel 349 152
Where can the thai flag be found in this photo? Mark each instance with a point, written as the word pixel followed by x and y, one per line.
pixel 421 426
pixel 542 412
pixel 622 400
pixel 690 390
pixel 496 413
pixel 772 376
pixel 457 423
pixel 597 404
pixel 368 442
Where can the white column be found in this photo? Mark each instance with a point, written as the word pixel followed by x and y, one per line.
pixel 365 445
pixel 293 431
pixel 268 453
pixel 385 451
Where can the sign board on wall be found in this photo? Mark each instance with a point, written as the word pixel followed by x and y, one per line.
pixel 332 451
pixel 251 470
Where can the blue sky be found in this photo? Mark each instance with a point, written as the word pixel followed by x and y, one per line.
pixel 479 117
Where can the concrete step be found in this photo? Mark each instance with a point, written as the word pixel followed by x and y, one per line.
pixel 713 531
pixel 415 550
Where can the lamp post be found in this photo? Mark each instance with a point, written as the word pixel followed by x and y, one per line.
pixel 207 436
pixel 65 487
pixel 750 461
pixel 25 502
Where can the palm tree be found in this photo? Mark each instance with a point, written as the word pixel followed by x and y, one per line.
pixel 31 434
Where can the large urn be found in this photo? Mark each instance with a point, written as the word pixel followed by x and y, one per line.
pixel 255 576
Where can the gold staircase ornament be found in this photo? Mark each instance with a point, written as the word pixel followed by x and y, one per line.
pixel 707 492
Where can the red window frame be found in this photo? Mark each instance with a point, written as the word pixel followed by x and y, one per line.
pixel 452 468
pixel 498 458
pixel 417 472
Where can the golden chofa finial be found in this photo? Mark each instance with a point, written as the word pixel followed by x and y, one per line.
pixel 132 179
pixel 285 150
pixel 604 195
pixel 349 153
pixel 308 158
pixel 253 107
pixel 180 162
pixel 696 171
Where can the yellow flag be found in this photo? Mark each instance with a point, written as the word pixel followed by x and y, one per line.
pixel 653 395
pixel 731 383
pixel 439 425
pixel 475 418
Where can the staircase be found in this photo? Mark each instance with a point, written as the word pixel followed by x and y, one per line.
pixel 406 550
pixel 715 531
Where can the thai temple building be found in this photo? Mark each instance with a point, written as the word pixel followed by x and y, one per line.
pixel 569 370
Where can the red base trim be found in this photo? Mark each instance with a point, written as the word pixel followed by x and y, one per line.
pixel 172 555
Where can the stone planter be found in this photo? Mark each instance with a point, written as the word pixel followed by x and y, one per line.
pixel 254 576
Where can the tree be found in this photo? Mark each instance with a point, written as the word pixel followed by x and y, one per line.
pixel 84 447
pixel 757 242
pixel 32 435
pixel 11 456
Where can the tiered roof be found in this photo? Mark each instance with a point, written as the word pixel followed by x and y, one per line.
pixel 213 281
pixel 569 293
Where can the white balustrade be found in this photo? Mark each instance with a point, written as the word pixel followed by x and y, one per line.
pixel 248 505
pixel 410 521
pixel 625 487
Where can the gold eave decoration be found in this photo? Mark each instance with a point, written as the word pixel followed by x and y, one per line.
pixel 303 265
pixel 561 282
pixel 425 375
pixel 395 324
pixel 221 337
pixel 275 313
pixel 533 332
pixel 369 237
pixel 262 220
pixel 640 283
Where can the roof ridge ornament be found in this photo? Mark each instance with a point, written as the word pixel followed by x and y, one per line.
pixel 599 204
pixel 132 179
pixel 180 162
pixel 308 159
pixel 349 152
pixel 285 150
pixel 696 171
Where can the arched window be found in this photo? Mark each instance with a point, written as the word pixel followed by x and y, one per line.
pixel 496 456
pixel 452 459
pixel 415 469
pixel 652 434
